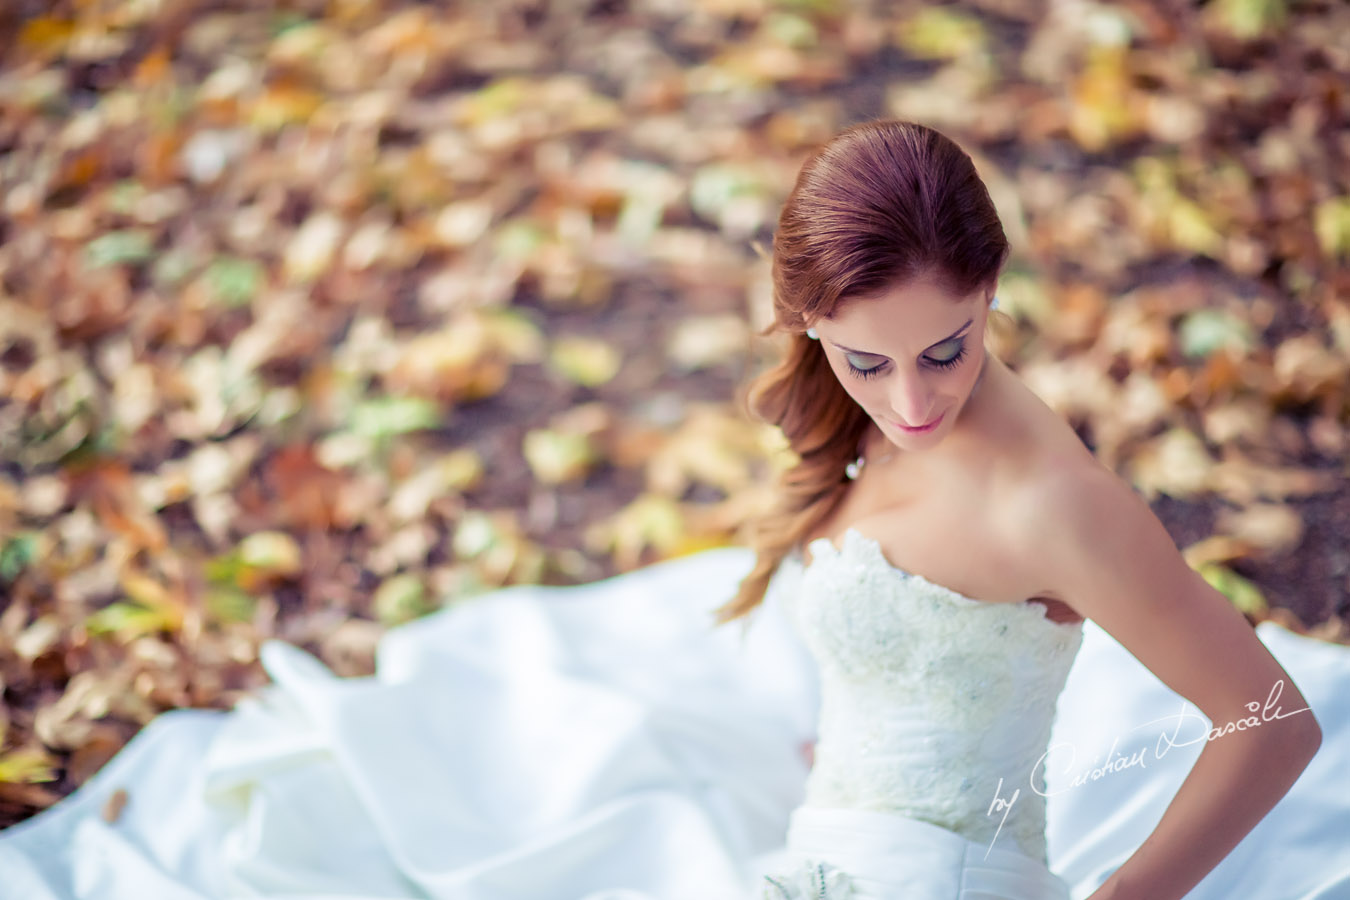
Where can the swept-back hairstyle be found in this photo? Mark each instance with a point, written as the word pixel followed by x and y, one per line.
pixel 882 203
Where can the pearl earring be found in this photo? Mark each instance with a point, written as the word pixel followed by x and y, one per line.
pixel 811 333
pixel 993 304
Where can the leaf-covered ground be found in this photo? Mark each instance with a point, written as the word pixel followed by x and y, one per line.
pixel 318 316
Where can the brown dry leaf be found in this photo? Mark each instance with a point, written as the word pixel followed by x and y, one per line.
pixel 115 804
pixel 1218 548
pixel 1132 332
pixel 1305 368
pixel 1244 481
pixel 1175 463
pixel 312 249
pixel 1079 312
pixel 467 360
pixel 1075 386
pixel 1274 528
pixel 306 490
pixel 1335 630
pixel 649 522
pixel 1245 419
pixel 702 341
pixel 710 447
pixel 93 754
pixel 109 487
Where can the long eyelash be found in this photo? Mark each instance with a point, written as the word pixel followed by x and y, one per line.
pixel 865 373
pixel 875 371
pixel 955 360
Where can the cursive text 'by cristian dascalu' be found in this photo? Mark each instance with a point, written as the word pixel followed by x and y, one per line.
pixel 1260 714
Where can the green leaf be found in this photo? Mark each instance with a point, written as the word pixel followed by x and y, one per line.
pixel 124 195
pixel 129 245
pixel 717 185
pixel 171 267
pixel 791 30
pixel 400 599
pixel 1243 594
pixel 230 604
pixel 224 569
pixel 234 281
pixel 387 416
pixel 518 239
pixel 1207 330
pixel 16 554
pixel 128 620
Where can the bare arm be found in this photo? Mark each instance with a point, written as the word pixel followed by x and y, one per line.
pixel 1101 550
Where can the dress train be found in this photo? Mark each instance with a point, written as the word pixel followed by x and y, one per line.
pixel 600 742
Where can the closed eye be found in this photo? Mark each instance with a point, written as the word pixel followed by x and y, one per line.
pixel 947 363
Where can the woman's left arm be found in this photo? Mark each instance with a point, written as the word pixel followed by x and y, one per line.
pixel 1104 553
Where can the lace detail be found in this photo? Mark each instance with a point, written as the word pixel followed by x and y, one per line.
pixel 928 697
pixel 810 880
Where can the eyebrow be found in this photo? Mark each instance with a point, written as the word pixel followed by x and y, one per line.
pixel 954 334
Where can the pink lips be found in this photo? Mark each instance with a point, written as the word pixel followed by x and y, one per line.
pixel 922 428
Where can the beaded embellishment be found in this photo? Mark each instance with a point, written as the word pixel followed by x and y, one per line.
pixel 811 880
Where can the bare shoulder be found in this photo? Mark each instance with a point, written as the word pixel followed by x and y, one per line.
pixel 1047 496
pixel 1097 546
pixel 1066 500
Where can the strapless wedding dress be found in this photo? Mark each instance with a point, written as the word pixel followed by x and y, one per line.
pixel 935 719
pixel 604 742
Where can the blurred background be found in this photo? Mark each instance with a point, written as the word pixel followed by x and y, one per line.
pixel 318 316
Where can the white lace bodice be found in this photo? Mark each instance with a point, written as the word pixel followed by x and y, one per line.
pixel 928 697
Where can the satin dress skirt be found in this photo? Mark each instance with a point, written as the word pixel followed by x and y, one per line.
pixel 859 854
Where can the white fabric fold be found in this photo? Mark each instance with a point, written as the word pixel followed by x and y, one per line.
pixel 597 742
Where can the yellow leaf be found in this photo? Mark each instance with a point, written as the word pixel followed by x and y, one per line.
pixel 650 521
pixel 45 34
pixel 1245 18
pixel 130 620
pixel 940 33
pixel 26 765
pixel 1104 109
pixel 584 360
pixel 556 456
pixel 1190 228
pixel 1243 594
pixel 498 549
pixel 1331 222
pixel 401 598
pixel 283 105
pixel 272 552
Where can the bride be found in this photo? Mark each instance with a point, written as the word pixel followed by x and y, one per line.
pixel 954 560
pixel 965 669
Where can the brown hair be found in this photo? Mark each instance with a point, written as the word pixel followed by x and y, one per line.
pixel 882 203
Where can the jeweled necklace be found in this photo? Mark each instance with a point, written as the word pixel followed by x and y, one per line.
pixel 854 469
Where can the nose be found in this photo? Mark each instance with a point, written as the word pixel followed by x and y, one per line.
pixel 911 400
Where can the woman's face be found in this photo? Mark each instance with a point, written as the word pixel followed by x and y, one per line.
pixel 909 356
